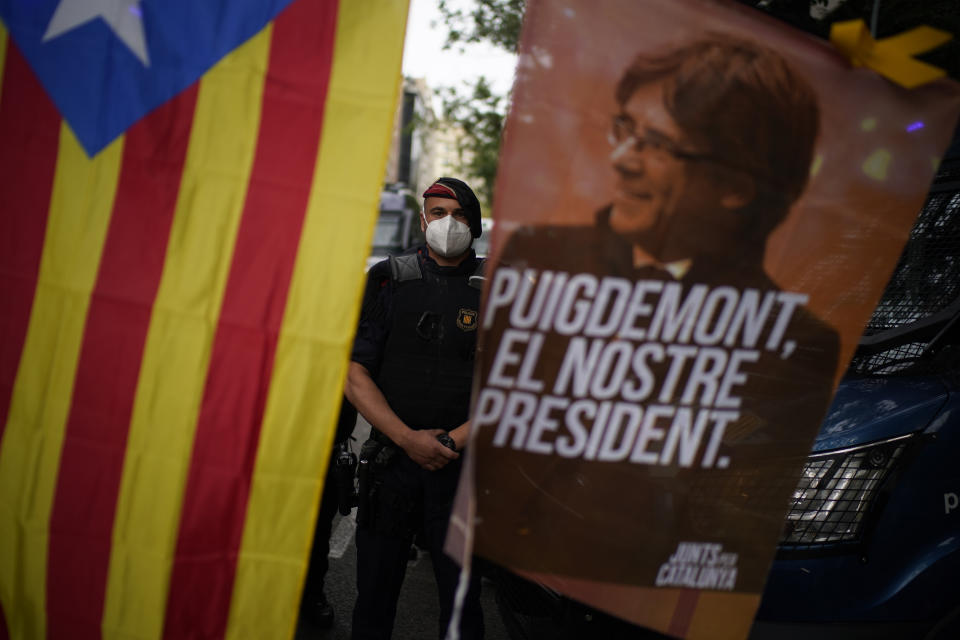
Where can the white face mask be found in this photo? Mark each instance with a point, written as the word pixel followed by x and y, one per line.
pixel 448 237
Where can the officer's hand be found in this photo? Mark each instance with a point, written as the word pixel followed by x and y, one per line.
pixel 424 449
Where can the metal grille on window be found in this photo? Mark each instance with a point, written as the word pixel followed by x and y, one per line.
pixel 926 281
pixel 891 360
pixel 836 491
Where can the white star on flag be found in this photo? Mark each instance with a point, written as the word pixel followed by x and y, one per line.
pixel 122 16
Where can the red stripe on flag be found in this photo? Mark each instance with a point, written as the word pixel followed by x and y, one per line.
pixel 30 131
pixel 4 632
pixel 241 364
pixel 91 464
pixel 683 613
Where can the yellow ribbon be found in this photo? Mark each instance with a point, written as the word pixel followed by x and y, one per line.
pixel 890 57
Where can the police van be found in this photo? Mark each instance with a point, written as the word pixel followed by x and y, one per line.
pixel 398 223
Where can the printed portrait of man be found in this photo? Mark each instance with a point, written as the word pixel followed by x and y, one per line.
pixel 710 147
pixel 723 375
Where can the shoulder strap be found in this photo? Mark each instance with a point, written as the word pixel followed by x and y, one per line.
pixel 405 267
pixel 477 277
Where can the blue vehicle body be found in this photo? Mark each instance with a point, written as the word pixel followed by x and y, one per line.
pixel 899 577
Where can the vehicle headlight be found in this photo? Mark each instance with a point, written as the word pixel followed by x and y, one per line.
pixel 835 492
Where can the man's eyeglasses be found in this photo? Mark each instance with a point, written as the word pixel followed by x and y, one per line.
pixel 623 129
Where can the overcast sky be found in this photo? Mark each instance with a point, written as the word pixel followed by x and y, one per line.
pixel 423 54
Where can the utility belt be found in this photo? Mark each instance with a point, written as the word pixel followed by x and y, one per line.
pixel 375 454
pixel 392 508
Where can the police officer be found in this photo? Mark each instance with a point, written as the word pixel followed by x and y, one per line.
pixel 410 377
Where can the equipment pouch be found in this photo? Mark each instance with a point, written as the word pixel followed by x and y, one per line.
pixel 366 481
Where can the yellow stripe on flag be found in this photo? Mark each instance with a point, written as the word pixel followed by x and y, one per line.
pixel 3 55
pixel 319 320
pixel 179 342
pixel 80 207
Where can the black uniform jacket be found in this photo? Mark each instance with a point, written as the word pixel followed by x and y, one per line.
pixel 417 339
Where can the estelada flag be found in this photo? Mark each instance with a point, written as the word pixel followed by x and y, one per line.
pixel 189 189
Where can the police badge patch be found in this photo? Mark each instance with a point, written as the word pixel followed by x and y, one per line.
pixel 467 319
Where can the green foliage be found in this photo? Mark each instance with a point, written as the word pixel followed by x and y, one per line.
pixel 479 114
pixel 474 108
pixel 493 21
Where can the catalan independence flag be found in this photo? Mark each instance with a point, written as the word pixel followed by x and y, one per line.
pixel 187 193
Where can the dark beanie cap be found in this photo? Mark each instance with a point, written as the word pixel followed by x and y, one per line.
pixel 459 191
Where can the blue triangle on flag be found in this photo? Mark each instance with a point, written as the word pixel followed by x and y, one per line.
pixel 107 63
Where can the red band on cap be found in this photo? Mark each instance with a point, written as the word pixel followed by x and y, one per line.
pixel 440 190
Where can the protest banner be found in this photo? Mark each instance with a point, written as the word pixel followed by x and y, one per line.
pixel 697 210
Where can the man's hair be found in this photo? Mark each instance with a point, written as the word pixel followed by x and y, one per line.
pixel 745 103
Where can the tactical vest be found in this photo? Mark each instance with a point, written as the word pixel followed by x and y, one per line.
pixel 426 372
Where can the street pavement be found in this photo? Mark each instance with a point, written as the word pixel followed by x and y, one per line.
pixel 417 611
